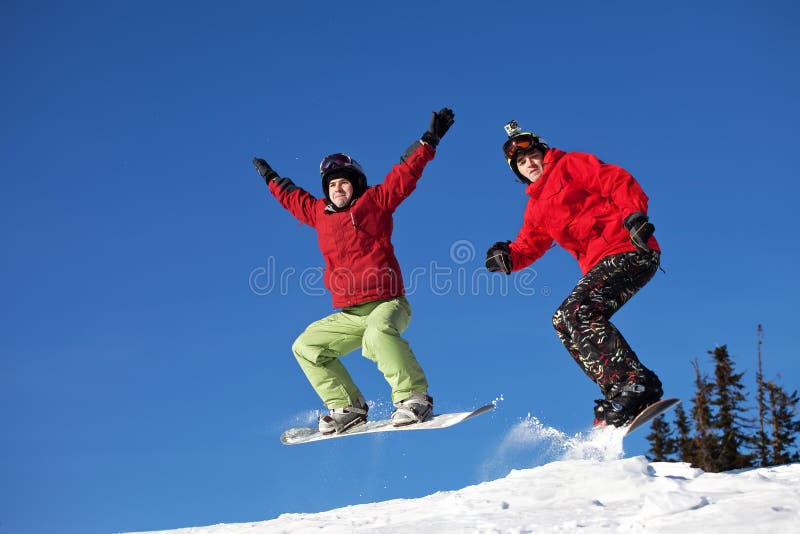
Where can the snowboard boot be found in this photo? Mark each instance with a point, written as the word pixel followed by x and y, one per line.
pixel 624 402
pixel 341 419
pixel 415 409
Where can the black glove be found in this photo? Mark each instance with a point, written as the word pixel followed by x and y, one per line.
pixel 498 257
pixel 440 123
pixel 641 230
pixel 264 169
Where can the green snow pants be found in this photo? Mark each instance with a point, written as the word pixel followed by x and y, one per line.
pixel 376 327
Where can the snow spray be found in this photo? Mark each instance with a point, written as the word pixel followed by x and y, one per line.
pixel 531 443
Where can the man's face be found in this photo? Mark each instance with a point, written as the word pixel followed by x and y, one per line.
pixel 530 165
pixel 340 190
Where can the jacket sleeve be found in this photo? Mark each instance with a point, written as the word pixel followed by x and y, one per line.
pixel 530 245
pixel 610 181
pixel 296 200
pixel 402 179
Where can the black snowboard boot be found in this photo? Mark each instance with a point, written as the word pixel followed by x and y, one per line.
pixel 624 402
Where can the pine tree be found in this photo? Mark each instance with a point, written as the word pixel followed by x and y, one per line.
pixel 662 445
pixel 761 439
pixel 720 439
pixel 729 422
pixel 684 444
pixel 704 449
pixel 785 425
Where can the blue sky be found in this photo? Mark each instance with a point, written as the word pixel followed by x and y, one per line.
pixel 145 366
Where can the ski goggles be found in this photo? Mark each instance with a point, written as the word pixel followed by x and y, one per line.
pixel 334 161
pixel 520 142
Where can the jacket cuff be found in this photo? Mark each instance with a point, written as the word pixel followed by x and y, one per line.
pixel 411 153
pixel 429 139
pixel 629 221
pixel 284 184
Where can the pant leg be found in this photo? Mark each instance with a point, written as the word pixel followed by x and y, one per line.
pixel 583 319
pixel 318 350
pixel 392 353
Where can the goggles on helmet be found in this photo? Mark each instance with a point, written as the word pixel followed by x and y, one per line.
pixel 334 161
pixel 519 142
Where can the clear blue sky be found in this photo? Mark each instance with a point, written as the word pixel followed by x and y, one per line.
pixel 144 379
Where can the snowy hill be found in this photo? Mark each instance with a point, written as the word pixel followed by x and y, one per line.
pixel 584 492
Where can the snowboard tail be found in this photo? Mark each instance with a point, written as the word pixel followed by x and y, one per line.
pixel 650 413
pixel 295 436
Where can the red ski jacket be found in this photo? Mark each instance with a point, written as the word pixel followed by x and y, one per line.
pixel 580 203
pixel 360 265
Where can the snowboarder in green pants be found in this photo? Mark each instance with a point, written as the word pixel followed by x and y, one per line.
pixel 354 228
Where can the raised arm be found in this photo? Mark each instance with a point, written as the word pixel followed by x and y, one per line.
pixel 296 200
pixel 402 179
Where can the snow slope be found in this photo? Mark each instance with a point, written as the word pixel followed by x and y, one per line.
pixel 584 492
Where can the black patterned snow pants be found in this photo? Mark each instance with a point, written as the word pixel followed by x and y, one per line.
pixel 583 319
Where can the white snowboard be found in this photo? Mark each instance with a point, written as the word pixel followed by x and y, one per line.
pixel 305 434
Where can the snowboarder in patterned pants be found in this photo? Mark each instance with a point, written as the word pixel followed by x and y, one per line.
pixel 597 212
pixel 354 227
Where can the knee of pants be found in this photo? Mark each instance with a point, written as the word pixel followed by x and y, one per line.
pixel 306 352
pixel 379 335
pixel 560 321
pixel 375 334
pixel 392 325
pixel 574 315
pixel 585 314
pixel 380 328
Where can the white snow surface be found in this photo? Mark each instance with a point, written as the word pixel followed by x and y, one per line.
pixel 591 488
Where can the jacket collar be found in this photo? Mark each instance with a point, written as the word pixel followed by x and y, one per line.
pixel 550 158
pixel 331 207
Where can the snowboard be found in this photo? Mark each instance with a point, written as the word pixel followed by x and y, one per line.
pixel 650 413
pixel 305 434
